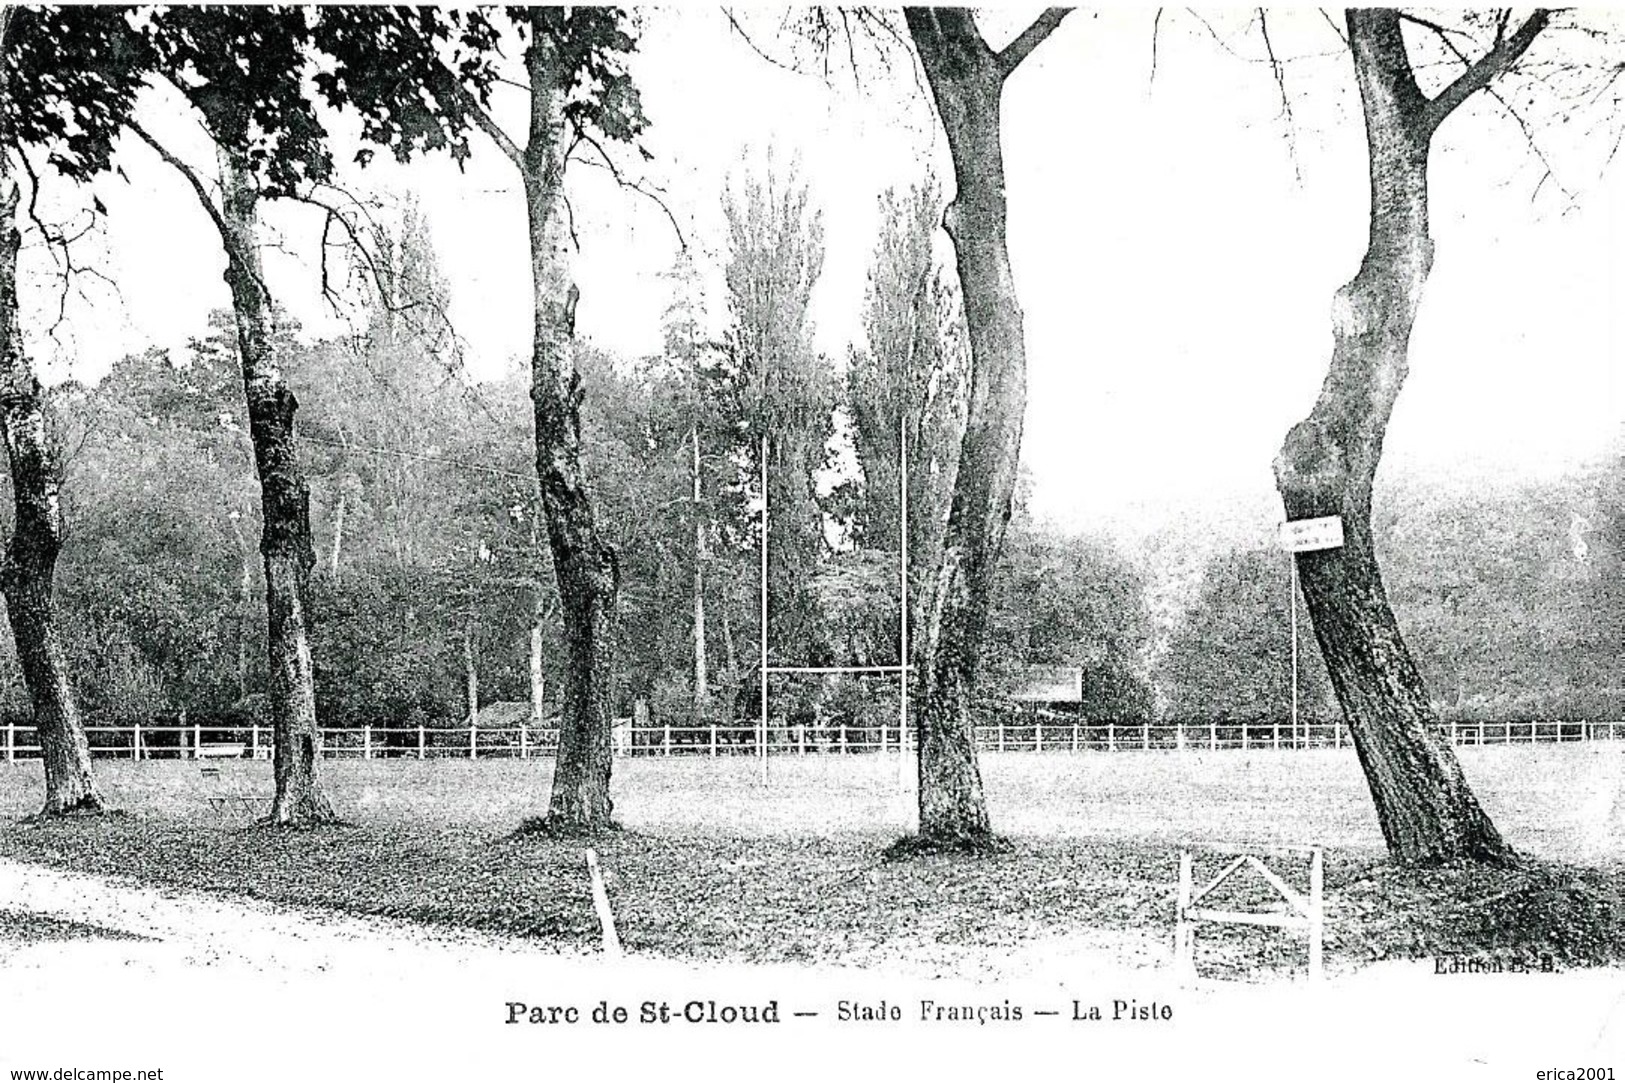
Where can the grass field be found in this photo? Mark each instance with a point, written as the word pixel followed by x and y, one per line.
pixel 713 864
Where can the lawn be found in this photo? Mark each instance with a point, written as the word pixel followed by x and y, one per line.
pixel 713 864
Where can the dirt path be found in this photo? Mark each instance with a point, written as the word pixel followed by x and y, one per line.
pixel 244 990
pixel 201 928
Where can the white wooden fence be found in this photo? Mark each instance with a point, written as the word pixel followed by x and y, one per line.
pixel 1016 733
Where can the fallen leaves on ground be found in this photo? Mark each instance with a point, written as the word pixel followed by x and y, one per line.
pixel 834 900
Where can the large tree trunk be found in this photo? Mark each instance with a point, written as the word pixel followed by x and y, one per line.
pixel 245 604
pixel 286 545
pixel 27 578
pixel 967 83
pixel 1328 464
pixel 584 564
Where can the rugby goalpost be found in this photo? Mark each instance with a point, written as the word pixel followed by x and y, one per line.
pixel 765 671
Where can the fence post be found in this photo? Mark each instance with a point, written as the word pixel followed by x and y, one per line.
pixel 1275 739
pixel 366 740
pixel 197 740
pixel 1317 913
pixel 1184 948
pixel 1145 737
pixel 665 737
pixel 843 741
pixel 1212 735
pixel 1074 735
pixel 135 743
pixel 801 740
pixel 473 742
pixel 11 741
pixel 1179 738
pixel 713 740
pixel 254 740
pixel 1038 736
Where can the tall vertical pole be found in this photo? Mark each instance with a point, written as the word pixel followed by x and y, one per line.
pixel 1292 558
pixel 902 594
pixel 1317 914
pixel 761 731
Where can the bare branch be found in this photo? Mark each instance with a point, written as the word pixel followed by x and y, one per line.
pixel 1488 67
pixel 1214 34
pixel 1442 31
pixel 641 187
pixel 1156 26
pixel 334 217
pixel 60 241
pixel 1279 74
pixel 439 325
pixel 851 48
pixel 483 120
pixel 1331 22
pixel 1549 173
pixel 1011 56
pixel 570 220
pixel 733 22
pixel 186 171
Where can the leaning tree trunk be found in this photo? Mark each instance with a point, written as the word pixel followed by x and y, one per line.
pixel 30 562
pixel 1328 464
pixel 583 563
pixel 285 544
pixel 967 83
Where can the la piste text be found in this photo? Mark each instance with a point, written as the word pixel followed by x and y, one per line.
pixel 704 1012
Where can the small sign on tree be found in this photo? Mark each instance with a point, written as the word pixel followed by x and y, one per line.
pixel 1306 535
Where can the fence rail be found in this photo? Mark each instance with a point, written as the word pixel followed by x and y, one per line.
pixel 1018 733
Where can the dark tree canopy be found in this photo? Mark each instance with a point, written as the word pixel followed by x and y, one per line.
pixel 71 76
pixel 421 78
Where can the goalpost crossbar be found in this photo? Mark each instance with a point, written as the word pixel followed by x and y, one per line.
pixel 903 670
pixel 837 669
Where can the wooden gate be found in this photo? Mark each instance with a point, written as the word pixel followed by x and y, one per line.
pixel 1301 912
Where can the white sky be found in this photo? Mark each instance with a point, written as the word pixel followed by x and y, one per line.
pixel 1175 278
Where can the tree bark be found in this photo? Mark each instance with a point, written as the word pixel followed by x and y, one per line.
pixel 1328 464
pixel 585 565
pixel 967 82
pixel 28 576
pixel 285 544
pixel 245 604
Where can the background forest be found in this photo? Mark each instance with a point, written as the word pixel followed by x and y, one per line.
pixel 428 588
